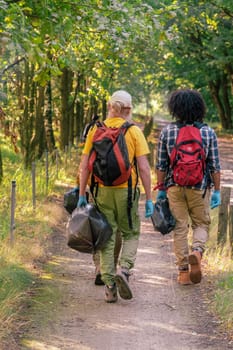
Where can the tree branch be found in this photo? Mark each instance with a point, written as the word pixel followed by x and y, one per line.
pixel 17 61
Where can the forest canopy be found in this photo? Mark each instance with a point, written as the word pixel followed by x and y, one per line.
pixel 60 60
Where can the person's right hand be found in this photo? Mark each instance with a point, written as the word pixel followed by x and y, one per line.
pixel 161 195
pixel 82 202
pixel 215 200
pixel 149 207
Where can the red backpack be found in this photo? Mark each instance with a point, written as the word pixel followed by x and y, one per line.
pixel 109 159
pixel 187 158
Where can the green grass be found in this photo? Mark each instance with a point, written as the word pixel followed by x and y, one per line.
pixel 15 280
pixel 21 280
pixel 223 297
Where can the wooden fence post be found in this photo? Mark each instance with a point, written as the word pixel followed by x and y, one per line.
pixel 12 225
pixel 47 170
pixel 223 216
pixel 34 185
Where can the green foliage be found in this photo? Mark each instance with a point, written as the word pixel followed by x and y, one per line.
pixel 13 278
pixel 146 47
pixel 223 300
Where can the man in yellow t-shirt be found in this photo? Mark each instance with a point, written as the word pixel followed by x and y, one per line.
pixel 113 200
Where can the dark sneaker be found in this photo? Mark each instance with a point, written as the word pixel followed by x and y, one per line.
pixel 110 294
pixel 98 280
pixel 124 290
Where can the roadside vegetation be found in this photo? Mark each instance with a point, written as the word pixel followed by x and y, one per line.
pixel 220 269
pixel 26 278
pixel 23 256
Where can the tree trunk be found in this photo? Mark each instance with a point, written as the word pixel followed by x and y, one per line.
pixel 37 145
pixel 104 108
pixel 66 88
pixel 229 70
pixel 79 107
pixel 26 121
pixel 214 90
pixel 49 134
pixel 1 167
pixel 93 109
pixel 226 102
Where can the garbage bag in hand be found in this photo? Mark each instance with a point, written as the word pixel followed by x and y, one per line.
pixel 88 229
pixel 162 218
pixel 71 199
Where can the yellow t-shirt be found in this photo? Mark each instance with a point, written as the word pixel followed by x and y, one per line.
pixel 135 140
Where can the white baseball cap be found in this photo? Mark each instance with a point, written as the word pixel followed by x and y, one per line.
pixel 122 96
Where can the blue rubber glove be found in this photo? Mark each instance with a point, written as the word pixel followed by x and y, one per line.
pixel 82 202
pixel 161 195
pixel 215 200
pixel 149 206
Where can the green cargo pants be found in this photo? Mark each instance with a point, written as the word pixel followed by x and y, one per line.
pixel 112 202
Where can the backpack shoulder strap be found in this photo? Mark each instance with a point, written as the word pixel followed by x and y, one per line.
pixel 199 125
pixel 126 125
pixel 99 124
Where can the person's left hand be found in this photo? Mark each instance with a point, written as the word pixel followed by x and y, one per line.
pixel 149 206
pixel 215 200
pixel 82 202
pixel 162 194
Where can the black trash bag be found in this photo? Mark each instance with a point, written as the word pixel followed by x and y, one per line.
pixel 162 218
pixel 71 199
pixel 88 230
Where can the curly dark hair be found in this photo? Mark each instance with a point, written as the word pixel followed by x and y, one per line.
pixel 187 106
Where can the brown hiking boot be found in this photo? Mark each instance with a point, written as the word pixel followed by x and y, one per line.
pixel 183 278
pixel 195 264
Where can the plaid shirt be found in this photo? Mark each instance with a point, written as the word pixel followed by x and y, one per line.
pixel 166 143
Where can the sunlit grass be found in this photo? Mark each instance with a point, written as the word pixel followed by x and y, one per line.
pixel 14 281
pixel 224 297
pixel 219 265
pixel 21 260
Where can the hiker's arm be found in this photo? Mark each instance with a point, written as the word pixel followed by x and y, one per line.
pixel 84 174
pixel 145 175
pixel 160 176
pixel 216 180
pixel 78 177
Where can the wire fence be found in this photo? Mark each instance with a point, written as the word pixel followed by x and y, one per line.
pixel 43 175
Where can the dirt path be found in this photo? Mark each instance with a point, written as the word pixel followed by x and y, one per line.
pixel 161 316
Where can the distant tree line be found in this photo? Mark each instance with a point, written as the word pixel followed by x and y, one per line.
pixel 60 60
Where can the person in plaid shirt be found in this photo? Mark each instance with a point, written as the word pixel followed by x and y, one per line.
pixel 189 204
